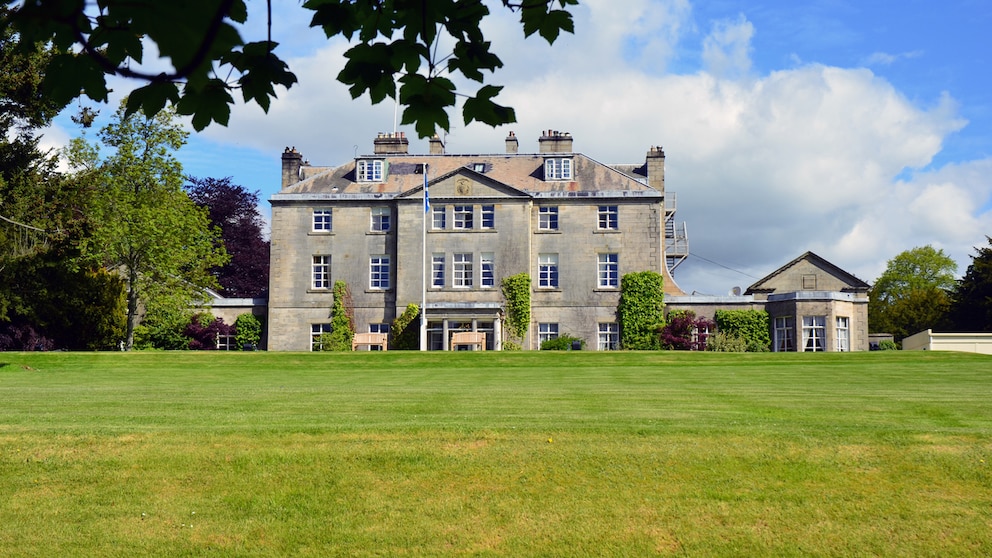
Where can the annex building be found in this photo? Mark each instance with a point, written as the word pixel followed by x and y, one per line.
pixel 575 225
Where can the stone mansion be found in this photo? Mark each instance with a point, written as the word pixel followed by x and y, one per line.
pixel 575 225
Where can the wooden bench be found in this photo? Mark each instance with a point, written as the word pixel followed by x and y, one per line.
pixel 370 339
pixel 468 338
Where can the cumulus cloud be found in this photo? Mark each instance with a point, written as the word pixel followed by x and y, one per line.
pixel 813 157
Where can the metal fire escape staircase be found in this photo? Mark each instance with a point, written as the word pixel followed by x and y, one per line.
pixel 676 237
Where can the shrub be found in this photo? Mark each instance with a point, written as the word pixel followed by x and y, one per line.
pixel 721 342
pixel 640 312
pixel 342 330
pixel 682 331
pixel 202 332
pixel 248 330
pixel 23 337
pixel 888 345
pixel 516 291
pixel 562 343
pixel 751 326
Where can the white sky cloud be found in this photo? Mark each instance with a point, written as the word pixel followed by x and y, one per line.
pixel 765 164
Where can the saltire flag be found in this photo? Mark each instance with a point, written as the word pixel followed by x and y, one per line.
pixel 427 198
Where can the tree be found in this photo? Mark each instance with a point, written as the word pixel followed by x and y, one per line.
pixel 971 309
pixel 912 293
pixel 234 210
pixel 143 223
pixel 641 310
pixel 416 44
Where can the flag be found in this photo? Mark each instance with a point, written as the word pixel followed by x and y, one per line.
pixel 427 198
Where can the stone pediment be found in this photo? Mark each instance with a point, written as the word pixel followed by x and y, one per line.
pixel 465 183
pixel 808 272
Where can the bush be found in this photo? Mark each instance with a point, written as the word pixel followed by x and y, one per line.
pixel 682 332
pixel 641 310
pixel 342 330
pixel 562 343
pixel 23 337
pixel 720 342
pixel 248 330
pixel 203 331
pixel 751 326
pixel 888 345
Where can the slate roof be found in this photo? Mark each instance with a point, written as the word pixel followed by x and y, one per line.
pixel 524 172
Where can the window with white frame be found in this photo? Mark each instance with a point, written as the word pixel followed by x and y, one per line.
pixel 609 336
pixel 546 332
pixel 317 332
pixel 814 330
pixel 609 217
pixel 547 271
pixel 378 328
pixel 227 342
pixel 547 218
pixel 489 216
pixel 437 271
pixel 321 220
pixel 462 272
pixel 438 214
pixel 321 278
pixel 843 334
pixel 370 170
pixel 488 262
pixel 784 334
pixel 380 219
pixel 462 216
pixel 379 272
pixel 608 271
pixel 558 168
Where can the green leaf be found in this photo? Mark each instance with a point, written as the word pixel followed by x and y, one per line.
pixel 427 101
pixel 211 104
pixel 482 108
pixel 151 98
pixel 334 17
pixel 68 74
pixel 538 18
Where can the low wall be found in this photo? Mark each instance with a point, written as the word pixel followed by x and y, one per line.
pixel 965 342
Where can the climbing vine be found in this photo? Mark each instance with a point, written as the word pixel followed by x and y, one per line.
pixel 641 311
pixel 516 290
pixel 406 329
pixel 342 328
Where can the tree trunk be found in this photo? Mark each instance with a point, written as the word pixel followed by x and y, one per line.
pixel 132 308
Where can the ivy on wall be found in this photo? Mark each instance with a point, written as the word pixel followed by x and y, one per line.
pixel 749 326
pixel 641 311
pixel 342 328
pixel 406 329
pixel 516 291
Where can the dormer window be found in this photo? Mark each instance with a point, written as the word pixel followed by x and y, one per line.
pixel 558 168
pixel 370 170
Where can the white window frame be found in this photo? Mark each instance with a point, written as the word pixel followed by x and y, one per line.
pixel 609 217
pixel 784 334
pixel 437 271
pixel 487 262
pixel 461 276
pixel 380 219
pixel 547 271
pixel 546 331
pixel 316 331
pixel 842 334
pixel 558 168
pixel 322 221
pixel 438 217
pixel 320 275
pixel 547 218
pixel 462 217
pixel 370 170
pixel 379 267
pixel 609 336
pixel 608 271
pixel 488 217
pixel 814 334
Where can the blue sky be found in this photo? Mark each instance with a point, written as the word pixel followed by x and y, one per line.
pixel 853 129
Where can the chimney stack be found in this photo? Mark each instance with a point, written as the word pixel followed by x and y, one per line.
pixel 292 160
pixel 512 145
pixel 437 146
pixel 553 141
pixel 391 143
pixel 655 164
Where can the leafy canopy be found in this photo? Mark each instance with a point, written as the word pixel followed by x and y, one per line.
pixel 912 294
pixel 413 43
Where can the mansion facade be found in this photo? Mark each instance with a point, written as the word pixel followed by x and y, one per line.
pixel 573 224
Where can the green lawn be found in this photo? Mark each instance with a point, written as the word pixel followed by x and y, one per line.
pixel 495 454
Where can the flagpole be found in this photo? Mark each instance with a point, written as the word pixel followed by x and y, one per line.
pixel 423 269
